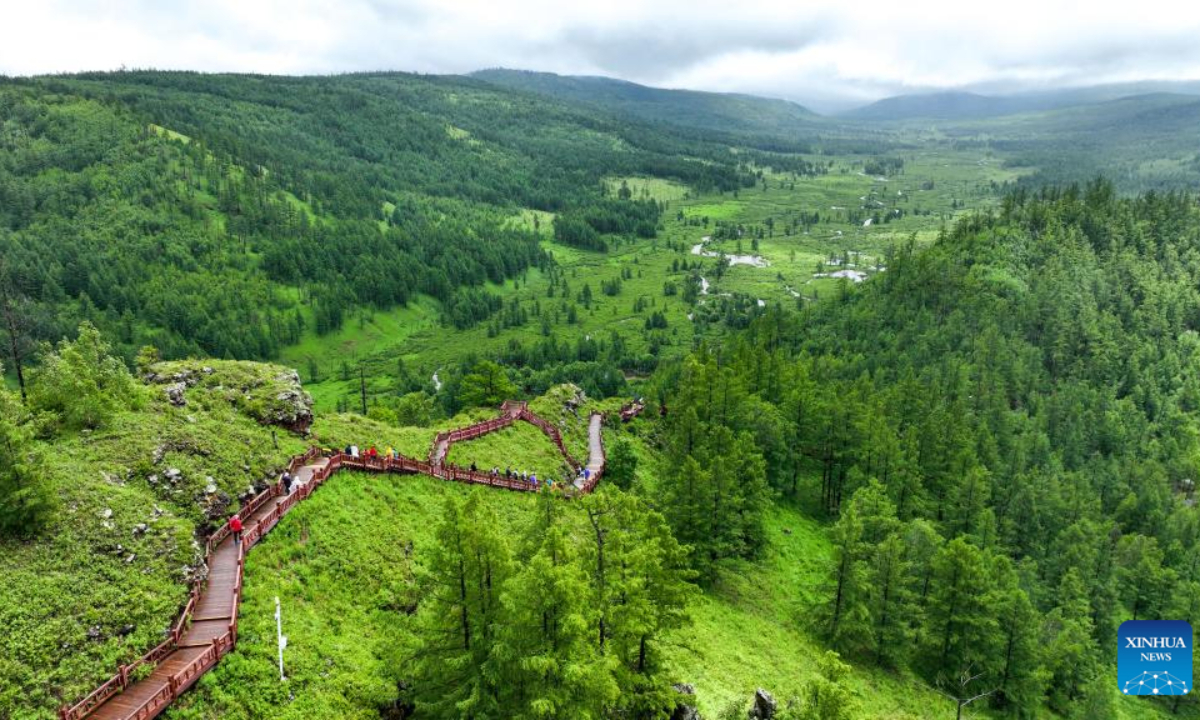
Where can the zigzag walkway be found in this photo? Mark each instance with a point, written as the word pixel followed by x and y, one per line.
pixel 207 629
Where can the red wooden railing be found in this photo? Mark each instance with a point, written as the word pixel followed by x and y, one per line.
pixel 185 677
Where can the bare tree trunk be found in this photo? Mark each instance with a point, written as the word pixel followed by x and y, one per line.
pixel 10 322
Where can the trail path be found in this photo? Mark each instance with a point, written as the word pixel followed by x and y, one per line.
pixel 207 630
pixel 213 630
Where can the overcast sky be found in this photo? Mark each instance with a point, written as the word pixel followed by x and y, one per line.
pixel 822 52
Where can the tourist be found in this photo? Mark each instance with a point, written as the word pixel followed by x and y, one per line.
pixel 474 467
pixel 235 525
pixel 354 451
pixel 287 483
pixel 372 452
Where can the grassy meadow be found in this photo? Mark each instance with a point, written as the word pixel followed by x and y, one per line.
pixel 935 186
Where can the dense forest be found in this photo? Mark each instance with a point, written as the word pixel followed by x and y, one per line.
pixel 224 215
pixel 1001 429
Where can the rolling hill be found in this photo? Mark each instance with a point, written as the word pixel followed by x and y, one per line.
pixel 722 112
pixel 965 105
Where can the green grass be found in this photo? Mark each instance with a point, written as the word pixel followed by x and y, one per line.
pixel 339 430
pixel 664 191
pixel 363 334
pixel 938 184
pixel 749 631
pixel 539 220
pixel 90 571
pixel 169 134
pixel 343 565
pixel 520 446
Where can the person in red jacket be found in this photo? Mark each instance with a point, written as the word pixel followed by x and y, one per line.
pixel 235 524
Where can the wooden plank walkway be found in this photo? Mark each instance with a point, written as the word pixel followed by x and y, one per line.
pixel 213 619
pixel 212 630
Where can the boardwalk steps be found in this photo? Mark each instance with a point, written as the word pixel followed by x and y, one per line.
pixel 207 627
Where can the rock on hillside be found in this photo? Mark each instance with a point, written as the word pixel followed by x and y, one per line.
pixel 271 394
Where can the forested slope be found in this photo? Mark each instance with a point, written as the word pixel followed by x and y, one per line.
pixel 1003 428
pixel 783 122
pixel 222 215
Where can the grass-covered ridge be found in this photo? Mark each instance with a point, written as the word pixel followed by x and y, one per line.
pixel 344 565
pixel 98 585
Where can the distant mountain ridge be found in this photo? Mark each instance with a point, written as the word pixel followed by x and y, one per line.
pixel 965 105
pixel 724 112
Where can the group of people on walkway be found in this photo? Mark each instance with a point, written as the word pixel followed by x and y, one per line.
pixel 286 481
pixel 371 452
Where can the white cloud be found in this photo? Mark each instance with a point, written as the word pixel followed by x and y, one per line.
pixel 812 49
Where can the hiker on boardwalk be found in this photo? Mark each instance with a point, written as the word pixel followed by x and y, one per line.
pixel 287 482
pixel 354 451
pixel 235 526
pixel 391 452
pixel 508 474
pixel 372 453
pixel 474 467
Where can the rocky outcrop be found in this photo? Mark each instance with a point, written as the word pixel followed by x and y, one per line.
pixel 270 394
pixel 175 394
pixel 764 705
pixel 292 407
pixel 685 707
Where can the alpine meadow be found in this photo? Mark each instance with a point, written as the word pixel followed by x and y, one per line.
pixel 640 389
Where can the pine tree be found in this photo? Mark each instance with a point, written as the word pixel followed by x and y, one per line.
pixel 960 628
pixel 622 462
pixel 25 498
pixel 82 384
pixel 459 613
pixel 890 596
pixel 848 624
pixel 1072 655
pixel 639 577
pixel 545 659
pixel 1017 665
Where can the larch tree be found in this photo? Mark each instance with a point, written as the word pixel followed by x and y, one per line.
pixel 460 612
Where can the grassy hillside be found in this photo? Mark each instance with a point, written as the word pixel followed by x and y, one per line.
pixel 99 585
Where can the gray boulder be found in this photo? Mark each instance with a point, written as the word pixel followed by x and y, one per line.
pixel 175 394
pixel 685 708
pixel 764 705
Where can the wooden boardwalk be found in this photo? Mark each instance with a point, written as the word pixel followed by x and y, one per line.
pixel 208 628
pixel 213 628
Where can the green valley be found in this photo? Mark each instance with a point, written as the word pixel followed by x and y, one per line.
pixel 917 424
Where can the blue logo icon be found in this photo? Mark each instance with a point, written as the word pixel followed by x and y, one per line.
pixel 1155 657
